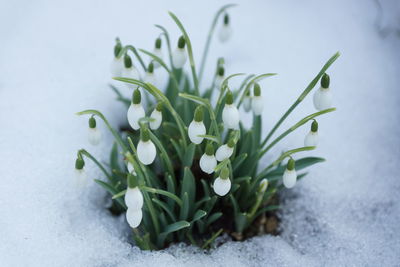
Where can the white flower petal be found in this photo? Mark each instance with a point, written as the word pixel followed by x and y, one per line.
pixel 134 198
pixel 150 78
pixel 157 52
pixel 289 178
pixel 222 186
pixel 225 33
pixel 135 112
pixel 179 57
pixel 311 139
pixel 146 152
pixel 223 152
pixel 134 217
pixel 81 179
pixel 157 116
pixel 322 98
pixel 130 168
pixel 196 128
pixel 247 103
pixel 208 163
pixel 131 73
pixel 94 136
pixel 257 104
pixel 116 67
pixel 230 117
pixel 218 81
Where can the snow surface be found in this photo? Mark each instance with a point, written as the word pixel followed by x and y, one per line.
pixel 54 61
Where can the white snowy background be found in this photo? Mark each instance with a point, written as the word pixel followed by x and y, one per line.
pixel 54 61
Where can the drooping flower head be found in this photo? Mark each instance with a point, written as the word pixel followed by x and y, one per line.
pixel 208 161
pixel 323 96
pixel 150 76
pixel 230 114
pixel 220 77
pixel 156 115
pixel 196 127
pixel 80 173
pixel 133 196
pixel 247 101
pixel 179 56
pixel 257 103
pixel 94 135
pixel 130 71
pixel 290 176
pixel 117 64
pixel 311 138
pixel 157 51
pixel 225 31
pixel 146 150
pixel 225 151
pixel 222 184
pixel 135 111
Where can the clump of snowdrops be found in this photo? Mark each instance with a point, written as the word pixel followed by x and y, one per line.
pixel 186 169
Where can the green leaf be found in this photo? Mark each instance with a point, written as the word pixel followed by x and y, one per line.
pixel 111 190
pixel 189 154
pixel 209 137
pixel 237 162
pixel 170 229
pixel 166 208
pixel 189 187
pixel 240 222
pixel 212 218
pixel 198 215
pixel 161 192
pixel 184 212
pixel 265 209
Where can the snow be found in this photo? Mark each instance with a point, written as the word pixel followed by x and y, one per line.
pixel 55 61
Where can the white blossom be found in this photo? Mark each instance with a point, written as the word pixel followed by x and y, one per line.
pixel 208 163
pixel 135 113
pixel 230 116
pixel 134 217
pixel 146 152
pixel 311 139
pixel 225 33
pixel 323 98
pixel 94 136
pixel 134 198
pixel 131 73
pixel 81 178
pixel 224 152
pixel 247 103
pixel 116 66
pixel 157 116
pixel 179 57
pixel 222 186
pixel 289 178
pixel 257 104
pixel 195 129
pixel 157 52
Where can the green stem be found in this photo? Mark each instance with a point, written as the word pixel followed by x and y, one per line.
pixel 209 38
pixel 133 49
pixel 252 81
pixel 88 155
pixel 162 192
pixel 302 96
pixel 166 35
pixel 294 127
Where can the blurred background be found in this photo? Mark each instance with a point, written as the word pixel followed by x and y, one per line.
pixel 54 62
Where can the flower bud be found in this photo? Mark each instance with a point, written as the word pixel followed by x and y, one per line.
pixel 311 138
pixel 230 114
pixel 222 184
pixel 134 217
pixel 150 77
pixel 135 111
pixel 323 96
pixel 196 127
pixel 290 176
pixel 225 151
pixel 257 103
pixel 156 115
pixel 80 173
pixel 263 186
pixel 157 52
pixel 220 77
pixel 130 71
pixel 179 56
pixel 207 160
pixel 94 135
pixel 225 31
pixel 146 150
pixel 133 196
pixel 117 63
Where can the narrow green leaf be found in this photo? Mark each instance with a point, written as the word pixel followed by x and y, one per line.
pixel 111 190
pixel 198 215
pixel 189 154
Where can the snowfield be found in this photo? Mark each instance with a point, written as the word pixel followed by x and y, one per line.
pixel 54 61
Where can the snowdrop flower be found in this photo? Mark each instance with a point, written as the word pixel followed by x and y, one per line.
pixel 157 116
pixel 94 135
pixel 146 150
pixel 157 52
pixel 230 114
pixel 290 175
pixel 129 71
pixel 133 196
pixel 150 77
pixel 130 167
pixel 179 56
pixel 134 217
pixel 225 151
pixel 196 127
pixel 117 64
pixel 323 96
pixel 247 102
pixel 208 161
pixel 135 111
pixel 311 138
pixel 220 77
pixel 257 103
pixel 222 184
pixel 80 173
pixel 225 32
pixel 263 186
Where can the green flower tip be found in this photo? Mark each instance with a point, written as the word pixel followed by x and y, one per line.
pixel 198 114
pixel 117 48
pixel 92 122
pixel 291 164
pixel 127 61
pixel 144 134
pixel 132 181
pixel 314 126
pixel 229 98
pixel 79 163
pixel 231 143
pixel 210 149
pixel 150 68
pixel 181 42
pixel 257 89
pixel 221 71
pixel 325 80
pixel 224 174
pixel 136 97
pixel 158 43
pixel 159 106
pixel 226 19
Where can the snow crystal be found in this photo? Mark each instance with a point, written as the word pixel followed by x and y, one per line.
pixel 55 60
